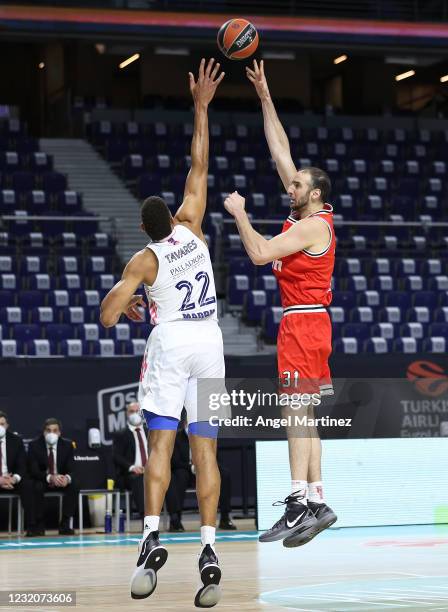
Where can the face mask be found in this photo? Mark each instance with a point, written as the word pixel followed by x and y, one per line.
pixel 51 438
pixel 2 431
pixel 135 419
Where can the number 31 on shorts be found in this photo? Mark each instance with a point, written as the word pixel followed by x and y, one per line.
pixel 289 379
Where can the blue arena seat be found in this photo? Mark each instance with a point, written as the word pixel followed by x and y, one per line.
pixel 237 287
pixel 39 348
pixel 413 330
pixel 376 345
pixel 59 298
pixel 90 332
pixel 10 348
pixel 270 323
pixel 30 299
pixel 254 303
pixel 439 329
pixel 441 315
pixel 33 264
pixel 371 298
pixel 344 299
pixel 357 282
pixel 382 283
pixel 419 314
pixel 73 348
pixel 425 298
pixel 361 331
pixel 54 182
pixel 96 264
pixel 103 348
pixel 70 282
pixel 57 332
pixel 42 314
pixel 24 332
pixel 391 314
pixel 406 345
pixel 104 282
pixel 413 283
pixel 7 298
pixel 73 315
pixel 348 346
pixel 437 283
pixel 8 282
pixel 398 299
pixel 383 330
pixel 12 314
pixel 337 314
pixel 435 344
pixel 362 314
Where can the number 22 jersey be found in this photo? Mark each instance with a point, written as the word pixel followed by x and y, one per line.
pixel 184 288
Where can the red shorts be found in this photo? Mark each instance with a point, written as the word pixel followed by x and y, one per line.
pixel 303 349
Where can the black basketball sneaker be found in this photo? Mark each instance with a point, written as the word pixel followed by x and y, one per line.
pixel 209 592
pixel 325 517
pixel 152 556
pixel 297 519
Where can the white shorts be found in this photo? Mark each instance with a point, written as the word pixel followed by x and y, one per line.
pixel 177 354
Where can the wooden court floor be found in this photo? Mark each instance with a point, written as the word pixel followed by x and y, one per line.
pixel 342 570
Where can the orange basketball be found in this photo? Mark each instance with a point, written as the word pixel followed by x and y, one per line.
pixel 237 39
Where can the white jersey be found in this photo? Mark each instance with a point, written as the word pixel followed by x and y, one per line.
pixel 184 288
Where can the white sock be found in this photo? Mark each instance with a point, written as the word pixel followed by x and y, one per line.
pixel 151 523
pixel 316 492
pixel 208 535
pixel 299 488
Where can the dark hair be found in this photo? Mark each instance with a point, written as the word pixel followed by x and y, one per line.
pixel 52 421
pixel 320 180
pixel 3 415
pixel 156 218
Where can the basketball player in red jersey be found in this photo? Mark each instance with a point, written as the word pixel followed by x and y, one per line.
pixel 303 261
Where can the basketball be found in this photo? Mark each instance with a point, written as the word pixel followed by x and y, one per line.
pixel 237 39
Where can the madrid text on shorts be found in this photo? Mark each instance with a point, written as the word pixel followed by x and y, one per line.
pixel 289 421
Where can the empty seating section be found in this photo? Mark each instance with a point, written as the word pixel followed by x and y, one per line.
pixel 53 274
pixel 391 280
pixel 390 286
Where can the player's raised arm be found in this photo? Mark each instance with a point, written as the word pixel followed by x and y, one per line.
pixel 192 210
pixel 275 134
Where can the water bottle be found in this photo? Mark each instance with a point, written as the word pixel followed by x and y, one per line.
pixel 121 522
pixel 108 523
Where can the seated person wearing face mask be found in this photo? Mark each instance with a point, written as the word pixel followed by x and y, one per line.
pixel 130 453
pixel 13 476
pixel 51 465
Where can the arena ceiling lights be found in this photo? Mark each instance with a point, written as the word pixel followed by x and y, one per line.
pixel 171 51
pixel 404 75
pixel 128 61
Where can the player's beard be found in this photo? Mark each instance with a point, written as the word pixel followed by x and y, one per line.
pixel 300 204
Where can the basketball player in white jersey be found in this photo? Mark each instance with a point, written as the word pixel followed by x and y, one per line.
pixel 185 345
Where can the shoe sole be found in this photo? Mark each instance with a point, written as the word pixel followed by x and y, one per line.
pixel 295 539
pixel 209 595
pixel 156 559
pixel 309 524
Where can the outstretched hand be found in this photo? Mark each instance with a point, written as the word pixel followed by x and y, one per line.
pixel 258 78
pixel 234 203
pixel 203 90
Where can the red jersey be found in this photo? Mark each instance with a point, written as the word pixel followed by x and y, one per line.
pixel 304 277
